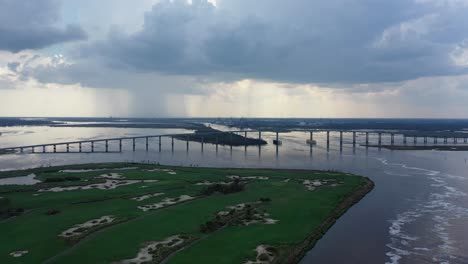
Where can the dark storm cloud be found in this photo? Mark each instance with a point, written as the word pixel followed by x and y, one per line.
pixel 33 24
pixel 300 41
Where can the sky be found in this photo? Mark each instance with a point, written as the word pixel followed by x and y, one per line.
pixel 234 58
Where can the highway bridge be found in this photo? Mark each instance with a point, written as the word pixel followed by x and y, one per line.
pixel 89 146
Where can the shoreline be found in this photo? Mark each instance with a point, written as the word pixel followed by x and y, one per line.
pixel 299 251
pixel 427 147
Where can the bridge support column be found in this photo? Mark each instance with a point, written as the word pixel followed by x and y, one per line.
pixel 120 145
pixel 147 145
pixel 435 140
pixel 455 140
pixel 33 149
pixel 68 148
pixel 445 140
pixel 107 146
pixel 367 138
pixel 415 140
pixel 187 142
pixel 202 142
pixel 328 139
pixel 92 146
pixel 172 143
pixel 311 140
pixel 259 137
pixel 160 143
pixel 354 138
pixel 21 150
pixel 217 142
pixel 230 135
pixel 380 139
pixel 392 139
pixel 464 140
pixel 134 145
pixel 425 140
pixel 341 141
pixel 43 149
pixel 277 143
pixel 79 146
pixel 404 139
pixel 245 139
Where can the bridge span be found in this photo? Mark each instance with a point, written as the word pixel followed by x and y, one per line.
pixel 187 137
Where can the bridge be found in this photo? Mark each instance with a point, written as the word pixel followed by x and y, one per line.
pixel 43 148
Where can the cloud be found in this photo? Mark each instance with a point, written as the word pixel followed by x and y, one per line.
pixel 34 25
pixel 292 41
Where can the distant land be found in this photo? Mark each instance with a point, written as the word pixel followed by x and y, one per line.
pixel 265 124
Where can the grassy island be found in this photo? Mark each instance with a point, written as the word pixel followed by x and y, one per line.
pixel 213 136
pixel 142 213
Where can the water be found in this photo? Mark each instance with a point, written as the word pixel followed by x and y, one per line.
pixel 417 213
pixel 22 180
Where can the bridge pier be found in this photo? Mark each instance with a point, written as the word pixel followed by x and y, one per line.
pixel 415 140
pixel 68 148
pixel 341 139
pixel 230 135
pixel 404 140
pixel 445 140
pixel 79 146
pixel 120 145
pixel 245 139
pixel 43 149
pixel 380 139
pixel 107 146
pixel 455 140
pixel 217 142
pixel 435 140
pixel 160 143
pixel 328 139
pixel 354 138
pixel 147 145
pixel 367 138
pixel 172 143
pixel 465 140
pixel 259 137
pixel 33 149
pixel 311 140
pixel 187 142
pixel 92 146
pixel 133 144
pixel 392 138
pixel 202 142
pixel 425 140
pixel 277 143
pixel 21 150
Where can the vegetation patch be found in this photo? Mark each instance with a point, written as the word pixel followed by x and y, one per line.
pixel 233 187
pixel 173 219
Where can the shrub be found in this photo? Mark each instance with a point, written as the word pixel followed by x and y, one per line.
pixel 52 212
pixel 234 187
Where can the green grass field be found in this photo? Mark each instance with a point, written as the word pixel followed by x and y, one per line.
pixel 301 204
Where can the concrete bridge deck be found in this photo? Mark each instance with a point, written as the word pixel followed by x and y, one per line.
pixel 106 141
